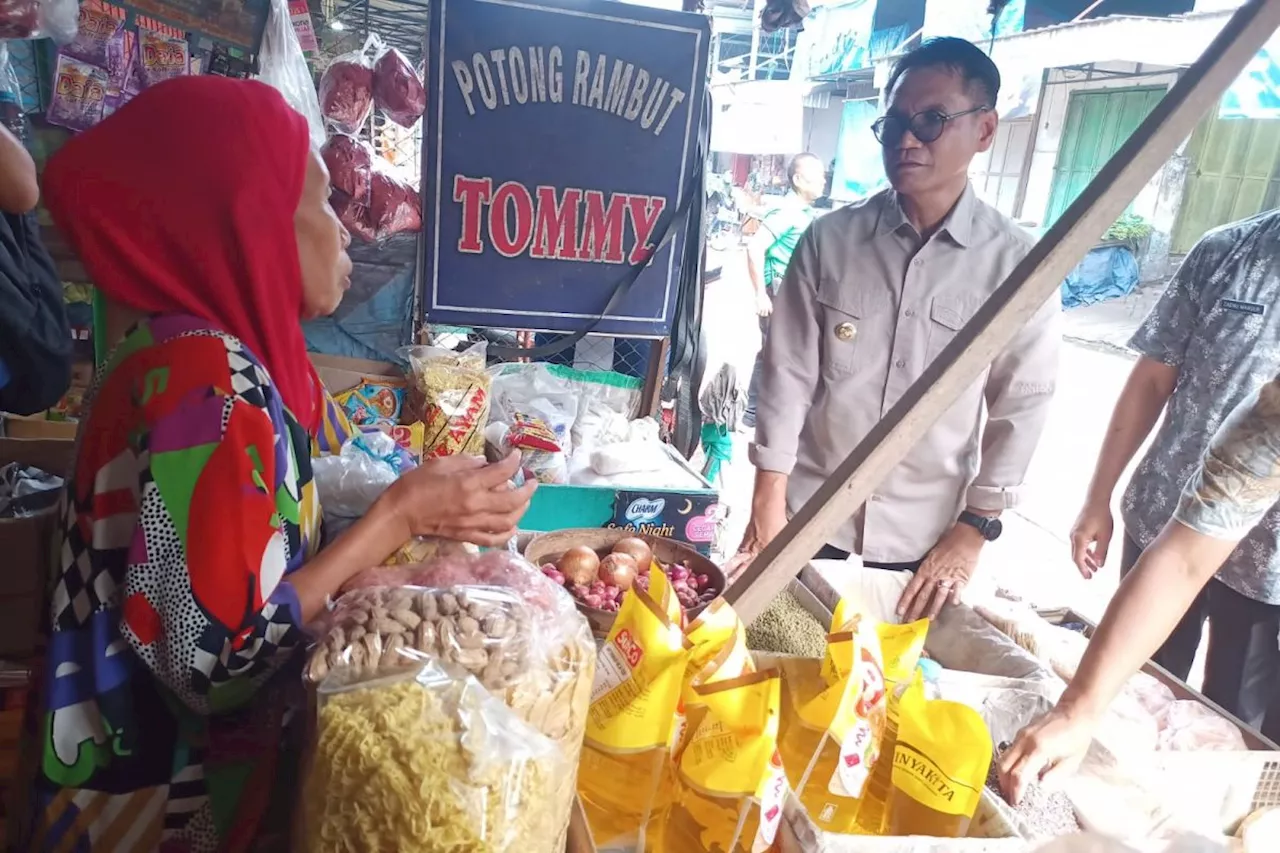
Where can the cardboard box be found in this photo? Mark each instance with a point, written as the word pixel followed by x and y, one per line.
pixel 342 374
pixel 16 426
pixel 29 548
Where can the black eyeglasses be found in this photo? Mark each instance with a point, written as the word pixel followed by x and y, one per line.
pixel 925 126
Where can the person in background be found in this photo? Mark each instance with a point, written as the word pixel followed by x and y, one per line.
pixel 1211 340
pixel 189 554
pixel 1234 489
pixel 769 251
pixel 35 337
pixel 874 292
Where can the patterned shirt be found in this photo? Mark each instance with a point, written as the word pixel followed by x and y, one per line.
pixel 785 224
pixel 1219 324
pixel 191 502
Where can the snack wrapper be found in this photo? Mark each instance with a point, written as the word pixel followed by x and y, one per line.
pixel 451 391
pixel 375 401
pixel 161 57
pixel 79 90
pixel 96 31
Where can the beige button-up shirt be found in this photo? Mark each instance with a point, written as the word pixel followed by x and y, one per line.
pixel 864 307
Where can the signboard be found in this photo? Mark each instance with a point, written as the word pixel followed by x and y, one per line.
pixel 559 144
pixel 859 169
pixel 235 22
pixel 836 39
pixel 969 19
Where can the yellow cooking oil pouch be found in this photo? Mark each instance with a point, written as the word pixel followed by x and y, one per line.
pixel 626 752
pixel 719 651
pixel 730 785
pixel 832 723
pixel 900 645
pixel 939 766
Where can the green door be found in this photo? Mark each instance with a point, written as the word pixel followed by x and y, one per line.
pixel 1098 123
pixel 1231 175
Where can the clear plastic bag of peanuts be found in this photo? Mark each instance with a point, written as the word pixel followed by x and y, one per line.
pixel 538 658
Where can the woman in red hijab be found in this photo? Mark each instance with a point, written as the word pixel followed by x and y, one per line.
pixel 188 567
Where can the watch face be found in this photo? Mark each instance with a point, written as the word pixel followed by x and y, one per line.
pixel 994 529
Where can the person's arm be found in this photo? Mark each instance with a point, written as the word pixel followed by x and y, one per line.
pixel 787 383
pixel 757 247
pixel 1018 392
pixel 19 191
pixel 1236 484
pixel 207 605
pixel 1145 394
pixel 1161 343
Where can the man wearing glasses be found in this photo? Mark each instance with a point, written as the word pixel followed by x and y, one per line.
pixel 872 295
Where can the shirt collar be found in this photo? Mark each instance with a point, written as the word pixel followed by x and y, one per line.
pixel 958 225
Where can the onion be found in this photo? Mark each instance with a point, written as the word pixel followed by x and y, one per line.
pixel 618 570
pixel 579 564
pixel 638 549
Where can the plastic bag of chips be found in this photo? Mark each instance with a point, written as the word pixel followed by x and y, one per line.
pixel 79 90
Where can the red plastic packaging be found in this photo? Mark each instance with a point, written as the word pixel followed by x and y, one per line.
pixel 397 89
pixel 19 19
pixel 350 164
pixel 394 206
pixel 346 92
pixel 354 217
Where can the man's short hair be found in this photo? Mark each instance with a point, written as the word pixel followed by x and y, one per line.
pixel 965 58
pixel 797 163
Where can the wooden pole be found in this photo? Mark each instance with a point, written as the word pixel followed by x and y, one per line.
pixel 1009 307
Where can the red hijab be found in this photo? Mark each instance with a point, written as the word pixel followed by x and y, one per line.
pixel 183 203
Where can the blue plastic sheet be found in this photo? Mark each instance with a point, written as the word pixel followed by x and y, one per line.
pixel 1107 272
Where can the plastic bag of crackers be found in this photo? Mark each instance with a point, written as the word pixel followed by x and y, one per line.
pixel 526 643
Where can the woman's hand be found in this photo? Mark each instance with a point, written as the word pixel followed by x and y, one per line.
pixel 1052 745
pixel 462 498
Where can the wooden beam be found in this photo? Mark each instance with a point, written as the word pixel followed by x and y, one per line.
pixel 1009 308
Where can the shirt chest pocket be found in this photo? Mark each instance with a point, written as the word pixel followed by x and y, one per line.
pixel 948 314
pixel 846 318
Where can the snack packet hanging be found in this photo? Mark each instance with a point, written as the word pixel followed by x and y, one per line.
pixel 346 89
pixel 832 722
pixel 161 57
pixel 451 391
pixel 626 752
pixel 350 164
pixel 940 766
pixel 397 89
pixel 730 785
pixel 96 31
pixel 79 90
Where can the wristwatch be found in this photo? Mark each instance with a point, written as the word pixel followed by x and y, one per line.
pixel 990 528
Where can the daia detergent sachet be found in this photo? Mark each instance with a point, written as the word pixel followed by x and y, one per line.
pixel 940 766
pixel 630 723
pixel 832 722
pixel 730 786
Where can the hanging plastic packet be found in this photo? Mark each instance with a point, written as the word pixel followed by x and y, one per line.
pixel 832 722
pixel 939 767
pixel 397 89
pixel 79 90
pixel 540 450
pixel 161 57
pixel 97 30
pixel 282 64
pixel 451 392
pixel 395 207
pixel 626 753
pixel 730 786
pixel 349 162
pixel 346 88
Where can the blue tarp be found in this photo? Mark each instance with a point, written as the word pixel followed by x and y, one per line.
pixel 1256 92
pixel 1107 272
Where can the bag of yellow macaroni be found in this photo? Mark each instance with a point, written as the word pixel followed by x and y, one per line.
pixel 939 766
pixel 730 784
pixel 428 759
pixel 623 777
pixel 833 716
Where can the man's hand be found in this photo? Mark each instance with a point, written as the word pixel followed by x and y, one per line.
pixel 764 305
pixel 943 575
pixel 1090 538
pixel 763 526
pixel 1052 745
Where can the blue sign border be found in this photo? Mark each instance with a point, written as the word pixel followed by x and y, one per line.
pixel 652 323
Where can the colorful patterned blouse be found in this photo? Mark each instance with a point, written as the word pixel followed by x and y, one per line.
pixel 172 615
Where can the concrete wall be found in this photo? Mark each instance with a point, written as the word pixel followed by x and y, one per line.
pixel 1159 200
